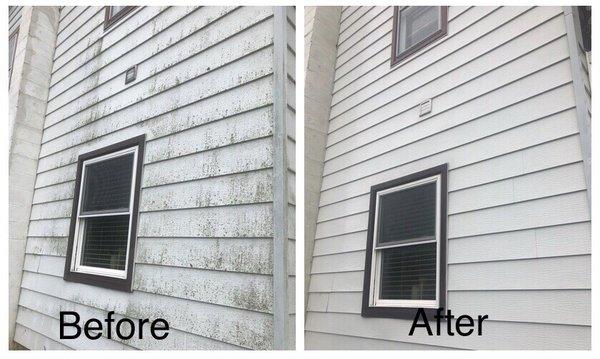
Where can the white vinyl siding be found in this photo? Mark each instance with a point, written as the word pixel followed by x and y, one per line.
pixel 504 120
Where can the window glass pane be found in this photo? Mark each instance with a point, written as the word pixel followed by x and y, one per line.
pixel 105 241
pixel 416 23
pixel 115 10
pixel 107 185
pixel 408 272
pixel 407 215
pixel 12 46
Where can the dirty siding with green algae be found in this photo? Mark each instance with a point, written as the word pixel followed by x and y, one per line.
pixel 204 98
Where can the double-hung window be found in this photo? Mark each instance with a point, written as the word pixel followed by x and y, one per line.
pixel 104 216
pixel 406 248
pixel 415 27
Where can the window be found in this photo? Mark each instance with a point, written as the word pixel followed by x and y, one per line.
pixel 112 14
pixel 585 26
pixel 104 217
pixel 406 246
pixel 415 27
pixel 12 49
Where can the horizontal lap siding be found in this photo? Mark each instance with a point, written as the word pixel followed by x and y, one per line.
pixel 14 18
pixel 327 341
pixel 504 119
pixel 203 97
pixel 498 335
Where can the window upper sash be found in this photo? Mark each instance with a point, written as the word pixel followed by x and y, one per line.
pixel 409 216
pixel 413 29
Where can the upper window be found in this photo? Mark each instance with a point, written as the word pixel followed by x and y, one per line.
pixel 585 24
pixel 415 27
pixel 104 217
pixel 405 261
pixel 112 14
pixel 12 49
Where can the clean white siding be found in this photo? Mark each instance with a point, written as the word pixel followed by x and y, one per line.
pixel 504 120
pixel 203 97
pixel 309 21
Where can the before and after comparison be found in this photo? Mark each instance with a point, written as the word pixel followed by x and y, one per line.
pixel 428 186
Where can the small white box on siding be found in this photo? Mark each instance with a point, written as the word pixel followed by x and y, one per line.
pixel 425 107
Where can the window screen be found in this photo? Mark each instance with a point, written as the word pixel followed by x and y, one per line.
pixel 407 215
pixel 107 185
pixel 114 14
pixel 416 23
pixel 415 27
pixel 408 272
pixel 116 9
pixel 105 242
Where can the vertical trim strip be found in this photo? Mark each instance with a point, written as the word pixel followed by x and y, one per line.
pixel 280 310
pixel 581 99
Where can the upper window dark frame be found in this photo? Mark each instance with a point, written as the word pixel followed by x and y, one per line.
pixel 110 19
pixel 406 312
pixel 397 58
pixel 94 279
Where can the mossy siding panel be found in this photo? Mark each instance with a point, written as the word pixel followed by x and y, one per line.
pixel 291 171
pixel 203 98
pixel 14 18
pixel 504 120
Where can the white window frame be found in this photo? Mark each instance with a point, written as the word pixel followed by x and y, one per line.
pixel 76 265
pixel 374 300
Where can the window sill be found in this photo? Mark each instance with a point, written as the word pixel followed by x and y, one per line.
pixel 395 312
pixel 123 285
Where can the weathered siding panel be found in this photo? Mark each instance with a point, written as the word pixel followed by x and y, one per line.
pixel 203 97
pixel 505 121
pixel 290 140
pixel 14 18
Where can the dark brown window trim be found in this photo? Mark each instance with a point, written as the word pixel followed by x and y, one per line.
pixel 396 312
pixel 397 58
pixel 15 33
pixel 110 19
pixel 97 280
